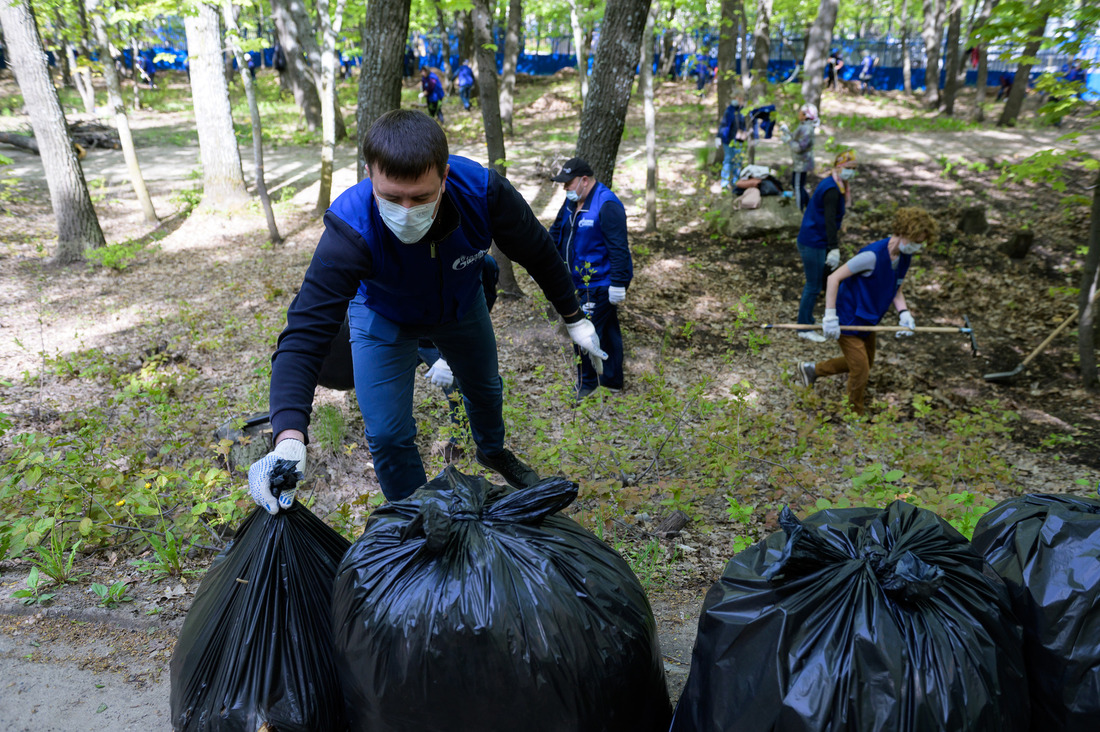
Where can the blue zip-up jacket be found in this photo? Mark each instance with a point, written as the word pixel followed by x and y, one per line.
pixel 433 281
pixel 594 232
pixel 432 86
pixel 863 300
pixel 816 229
pixel 464 76
pixel 733 121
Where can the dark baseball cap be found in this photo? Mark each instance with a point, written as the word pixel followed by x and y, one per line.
pixel 573 168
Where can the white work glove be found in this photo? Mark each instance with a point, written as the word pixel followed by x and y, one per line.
pixel 584 335
pixel 259 475
pixel 832 259
pixel 831 324
pixel 905 320
pixel 440 374
pixel 616 295
pixel 718 142
pixel 420 95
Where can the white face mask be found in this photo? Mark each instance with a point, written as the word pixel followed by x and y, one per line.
pixel 409 225
pixel 847 173
pixel 573 196
pixel 910 247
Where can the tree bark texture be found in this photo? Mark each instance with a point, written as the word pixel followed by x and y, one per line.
pixel 487 83
pixel 231 37
pixel 668 44
pixel 983 60
pixel 932 34
pixel 82 79
pixel 330 110
pixel 222 176
pixel 298 71
pixel 511 56
pixel 762 42
pixel 604 114
pixel 1088 323
pixel 646 83
pixel 951 82
pixel 77 225
pixel 817 52
pixel 118 109
pixel 580 48
pixel 1018 91
pixel 307 36
pixel 726 75
pixel 906 58
pixel 384 34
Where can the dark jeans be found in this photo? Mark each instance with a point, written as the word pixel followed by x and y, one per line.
pixel 385 358
pixel 798 185
pixel 813 263
pixel 605 317
pixel 435 109
pixel 464 95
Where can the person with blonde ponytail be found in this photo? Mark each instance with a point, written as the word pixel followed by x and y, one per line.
pixel 818 237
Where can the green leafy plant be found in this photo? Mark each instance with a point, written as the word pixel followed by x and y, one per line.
pixel 111 596
pixel 169 552
pixel 116 256
pixel 56 560
pixel 33 595
pixel 328 427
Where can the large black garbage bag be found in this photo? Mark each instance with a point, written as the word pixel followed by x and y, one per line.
pixel 470 606
pixel 857 619
pixel 1047 549
pixel 256 645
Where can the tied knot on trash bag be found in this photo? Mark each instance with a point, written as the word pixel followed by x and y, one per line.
pixel 284 477
pixel 905 578
pixel 443 512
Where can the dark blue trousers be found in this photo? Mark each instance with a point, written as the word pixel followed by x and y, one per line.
pixel 605 317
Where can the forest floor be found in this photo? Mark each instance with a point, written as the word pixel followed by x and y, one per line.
pixel 209 292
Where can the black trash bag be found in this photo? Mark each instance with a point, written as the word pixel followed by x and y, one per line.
pixel 256 645
pixel 470 606
pixel 857 619
pixel 1047 550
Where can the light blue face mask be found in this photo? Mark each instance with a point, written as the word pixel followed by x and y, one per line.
pixel 572 196
pixel 910 247
pixel 847 173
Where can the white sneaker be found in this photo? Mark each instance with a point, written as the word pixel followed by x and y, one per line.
pixel 812 335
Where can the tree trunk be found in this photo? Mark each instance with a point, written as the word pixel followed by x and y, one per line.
pixel 951 82
pixel 932 34
pixel 82 78
pixel 330 30
pixel 646 84
pixel 307 37
pixel 298 72
pixel 817 51
pixel 135 73
pixel 668 45
pixel 726 73
pixel 1023 73
pixel 232 36
pixel 763 44
pixel 122 123
pixel 742 33
pixel 604 114
pixel 222 176
pixel 384 34
pixel 465 32
pixel 77 226
pixel 445 38
pixel 906 58
pixel 983 60
pixel 511 56
pixel 63 46
pixel 580 48
pixel 1088 323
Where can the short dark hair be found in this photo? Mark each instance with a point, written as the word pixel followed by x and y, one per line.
pixel 405 144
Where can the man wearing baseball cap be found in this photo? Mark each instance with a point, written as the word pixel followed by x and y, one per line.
pixel 590 233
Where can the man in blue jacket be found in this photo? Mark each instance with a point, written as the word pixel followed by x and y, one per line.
pixel 431 87
pixel 464 78
pixel 732 133
pixel 590 233
pixel 406 247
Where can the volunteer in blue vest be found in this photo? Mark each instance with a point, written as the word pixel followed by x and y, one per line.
pixel 818 237
pixel 464 78
pixel 402 255
pixel 431 87
pixel 590 233
pixel 861 292
pixel 732 133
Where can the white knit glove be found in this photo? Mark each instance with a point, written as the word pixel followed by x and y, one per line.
pixel 584 335
pixel 905 320
pixel 259 475
pixel 830 324
pixel 616 295
pixel 440 374
pixel 832 259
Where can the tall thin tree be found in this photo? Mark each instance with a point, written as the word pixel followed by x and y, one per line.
pixel 645 81
pixel 762 44
pixel 932 32
pixel 299 73
pixel 580 48
pixel 384 32
pixel 952 60
pixel 906 57
pixel 726 81
pixel 1016 94
pixel 817 51
pixel 77 225
pixel 330 30
pixel 511 56
pixel 983 59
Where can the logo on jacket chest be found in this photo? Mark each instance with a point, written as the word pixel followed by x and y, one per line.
pixel 586 223
pixel 466 261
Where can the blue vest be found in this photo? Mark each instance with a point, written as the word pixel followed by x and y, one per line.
pixel 864 300
pixel 464 76
pixel 436 279
pixel 580 240
pixel 432 86
pixel 812 233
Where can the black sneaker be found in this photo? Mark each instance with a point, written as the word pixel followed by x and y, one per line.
pixel 808 373
pixel 518 473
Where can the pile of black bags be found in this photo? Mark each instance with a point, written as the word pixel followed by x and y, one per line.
pixel 857 619
pixel 1047 549
pixel 256 646
pixel 470 606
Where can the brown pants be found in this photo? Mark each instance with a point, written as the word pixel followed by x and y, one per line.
pixel 858 358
